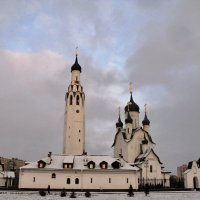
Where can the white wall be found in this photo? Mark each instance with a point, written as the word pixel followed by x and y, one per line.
pixel 189 176
pixel 100 179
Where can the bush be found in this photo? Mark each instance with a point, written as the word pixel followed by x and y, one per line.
pixel 72 195
pixel 87 194
pixel 42 193
pixel 63 193
pixel 130 191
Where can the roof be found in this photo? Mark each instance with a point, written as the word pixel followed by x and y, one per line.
pixel 132 135
pixel 128 119
pixel 76 66
pixel 190 165
pixel 78 162
pixel 143 156
pixel 145 120
pixel 68 159
pixel 119 123
pixel 132 106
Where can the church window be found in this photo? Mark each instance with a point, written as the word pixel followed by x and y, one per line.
pixel 79 140
pixel 91 165
pixel 91 180
pixel 41 164
pixel 77 100
pixel 71 100
pixel 33 179
pixel 67 165
pixel 77 111
pixel 76 78
pixel 103 165
pixel 128 130
pixel 76 181
pixel 79 131
pixel 68 180
pixel 151 168
pixel 53 175
pixel 109 180
pixel 127 180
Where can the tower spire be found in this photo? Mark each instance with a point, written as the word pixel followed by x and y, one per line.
pixel 130 87
pixel 77 51
pixel 76 66
pixel 146 120
pixel 119 123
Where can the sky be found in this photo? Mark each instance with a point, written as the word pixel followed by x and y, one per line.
pixel 154 44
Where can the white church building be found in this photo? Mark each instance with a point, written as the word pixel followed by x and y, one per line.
pixel 192 175
pixel 134 162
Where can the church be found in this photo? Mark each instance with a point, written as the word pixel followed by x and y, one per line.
pixel 134 161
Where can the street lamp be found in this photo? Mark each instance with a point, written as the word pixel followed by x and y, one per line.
pixel 146 165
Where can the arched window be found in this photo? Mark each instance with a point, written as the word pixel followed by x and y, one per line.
pixel 70 100
pixel 151 168
pixel 53 175
pixel 77 100
pixel 76 181
pixel 68 180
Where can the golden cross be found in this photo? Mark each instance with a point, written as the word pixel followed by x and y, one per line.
pixel 77 51
pixel 145 107
pixel 130 87
pixel 119 110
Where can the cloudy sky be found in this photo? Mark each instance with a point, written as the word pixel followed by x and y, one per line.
pixel 155 44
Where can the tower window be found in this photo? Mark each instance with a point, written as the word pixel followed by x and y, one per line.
pixel 76 181
pixel 68 181
pixel 109 180
pixel 127 180
pixel 91 180
pixel 76 78
pixel 53 175
pixel 71 100
pixel 77 100
pixel 151 168
pixel 33 179
pixel 79 140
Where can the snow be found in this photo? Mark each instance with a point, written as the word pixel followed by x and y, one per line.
pixel 18 195
pixel 57 161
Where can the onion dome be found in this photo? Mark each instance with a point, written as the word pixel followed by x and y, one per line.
pixel 145 141
pixel 119 124
pixel 146 120
pixel 132 106
pixel 76 66
pixel 128 119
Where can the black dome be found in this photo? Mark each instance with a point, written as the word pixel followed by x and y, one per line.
pixel 146 120
pixel 144 141
pixel 128 119
pixel 132 106
pixel 76 66
pixel 119 123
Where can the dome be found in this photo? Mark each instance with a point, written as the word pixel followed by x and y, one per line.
pixel 76 66
pixel 145 141
pixel 146 120
pixel 119 123
pixel 128 119
pixel 132 106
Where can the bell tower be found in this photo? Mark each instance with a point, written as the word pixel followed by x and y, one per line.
pixel 74 117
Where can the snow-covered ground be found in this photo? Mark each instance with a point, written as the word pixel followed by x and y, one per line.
pixel 9 195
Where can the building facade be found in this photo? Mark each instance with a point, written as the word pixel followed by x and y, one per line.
pixel 135 144
pixel 192 175
pixel 134 161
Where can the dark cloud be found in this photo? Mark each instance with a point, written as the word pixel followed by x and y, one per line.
pixel 168 56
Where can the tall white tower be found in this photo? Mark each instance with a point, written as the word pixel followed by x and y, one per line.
pixel 74 119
